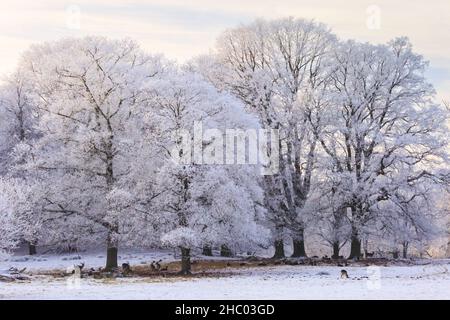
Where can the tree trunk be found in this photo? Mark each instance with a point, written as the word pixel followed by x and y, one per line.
pixel 355 246
pixel 366 247
pixel 279 243
pixel 112 242
pixel 225 251
pixel 207 251
pixel 298 243
pixel 111 258
pixel 72 249
pixel 395 254
pixel 405 249
pixel 335 250
pixel 448 249
pixel 185 261
pixel 31 248
pixel 279 249
pixel 111 252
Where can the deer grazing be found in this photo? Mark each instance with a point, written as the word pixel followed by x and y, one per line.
pixel 126 269
pixel 155 265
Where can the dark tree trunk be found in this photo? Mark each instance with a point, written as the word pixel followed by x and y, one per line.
pixel 112 242
pixel 111 252
pixel 111 258
pixel 72 249
pixel 355 246
pixel 355 241
pixel 279 249
pixel 335 250
pixel 185 261
pixel 299 247
pixel 207 251
pixel 395 254
pixel 447 254
pixel 225 251
pixel 279 243
pixel 31 248
pixel 405 249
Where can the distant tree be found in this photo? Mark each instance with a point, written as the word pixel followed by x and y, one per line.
pixel 18 119
pixel 13 206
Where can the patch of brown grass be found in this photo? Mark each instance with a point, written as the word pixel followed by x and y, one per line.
pixel 198 267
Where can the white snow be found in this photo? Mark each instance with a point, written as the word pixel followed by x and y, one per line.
pixel 427 281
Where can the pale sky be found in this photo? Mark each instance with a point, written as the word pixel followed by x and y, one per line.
pixel 182 29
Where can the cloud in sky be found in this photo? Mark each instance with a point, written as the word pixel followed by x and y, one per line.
pixel 184 28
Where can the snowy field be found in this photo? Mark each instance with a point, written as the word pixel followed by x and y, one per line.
pixel 425 281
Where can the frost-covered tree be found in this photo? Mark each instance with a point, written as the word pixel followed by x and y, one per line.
pixel 103 143
pixel 203 201
pixel 13 209
pixel 381 131
pixel 410 219
pixel 326 209
pixel 18 119
pixel 91 92
pixel 275 67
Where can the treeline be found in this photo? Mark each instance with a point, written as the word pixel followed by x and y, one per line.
pixel 93 130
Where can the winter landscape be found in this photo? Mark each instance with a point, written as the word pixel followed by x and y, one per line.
pixel 283 162
pixel 51 277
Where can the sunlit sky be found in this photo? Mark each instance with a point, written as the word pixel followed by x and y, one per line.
pixel 182 29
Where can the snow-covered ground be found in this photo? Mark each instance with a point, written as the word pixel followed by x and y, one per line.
pixel 428 281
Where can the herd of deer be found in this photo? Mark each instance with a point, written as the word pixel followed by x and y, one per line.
pixel 123 271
